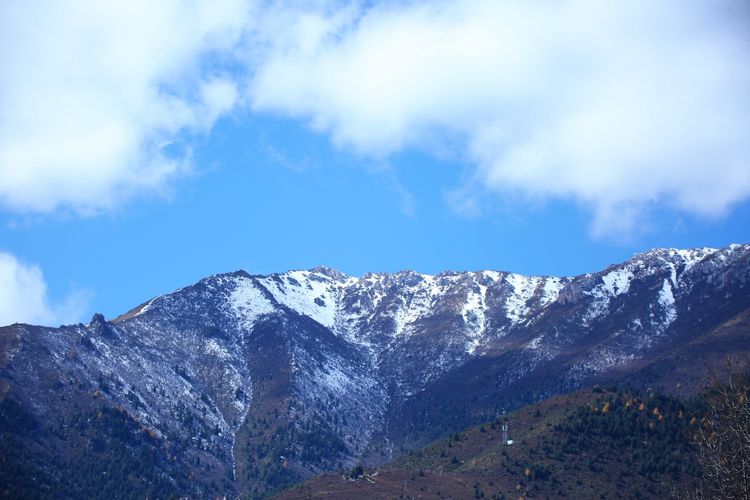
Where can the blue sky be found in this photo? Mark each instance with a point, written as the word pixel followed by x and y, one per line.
pixel 292 134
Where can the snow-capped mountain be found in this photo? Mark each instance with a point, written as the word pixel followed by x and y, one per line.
pixel 246 383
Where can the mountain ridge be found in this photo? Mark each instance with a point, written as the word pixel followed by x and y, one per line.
pixel 250 383
pixel 334 273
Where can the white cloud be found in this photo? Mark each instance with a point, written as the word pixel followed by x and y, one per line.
pixel 24 297
pixel 92 93
pixel 617 106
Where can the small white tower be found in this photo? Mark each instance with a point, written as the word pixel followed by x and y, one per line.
pixel 506 441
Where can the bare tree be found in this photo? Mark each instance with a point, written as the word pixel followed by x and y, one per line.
pixel 723 438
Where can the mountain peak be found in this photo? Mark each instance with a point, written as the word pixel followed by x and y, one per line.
pixel 330 272
pixel 689 256
pixel 97 319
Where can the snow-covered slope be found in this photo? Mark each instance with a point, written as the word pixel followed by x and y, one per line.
pixel 252 373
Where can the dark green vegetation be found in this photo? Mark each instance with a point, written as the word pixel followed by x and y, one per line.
pixel 271 441
pixel 590 444
pixel 101 453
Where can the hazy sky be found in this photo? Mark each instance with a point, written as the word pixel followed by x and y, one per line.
pixel 144 145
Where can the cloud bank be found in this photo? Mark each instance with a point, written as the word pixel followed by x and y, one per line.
pixel 93 95
pixel 618 107
pixel 24 297
pixel 615 106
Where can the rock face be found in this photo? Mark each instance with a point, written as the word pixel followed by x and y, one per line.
pixel 244 383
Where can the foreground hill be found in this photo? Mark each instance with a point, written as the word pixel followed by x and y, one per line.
pixel 243 384
pixel 588 444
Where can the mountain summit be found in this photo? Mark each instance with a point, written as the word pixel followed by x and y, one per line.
pixel 245 383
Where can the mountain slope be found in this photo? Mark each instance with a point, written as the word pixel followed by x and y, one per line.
pixel 588 444
pixel 246 383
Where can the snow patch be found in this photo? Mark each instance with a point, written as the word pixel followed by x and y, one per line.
pixel 248 303
pixel 492 275
pixel 516 309
pixel 212 347
pixel 693 256
pixel 551 290
pixel 473 313
pixel 310 294
pixel 416 302
pixel 535 343
pixel 667 303
pixel 605 358
pixel 617 282
pixel 146 307
pixel 614 283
